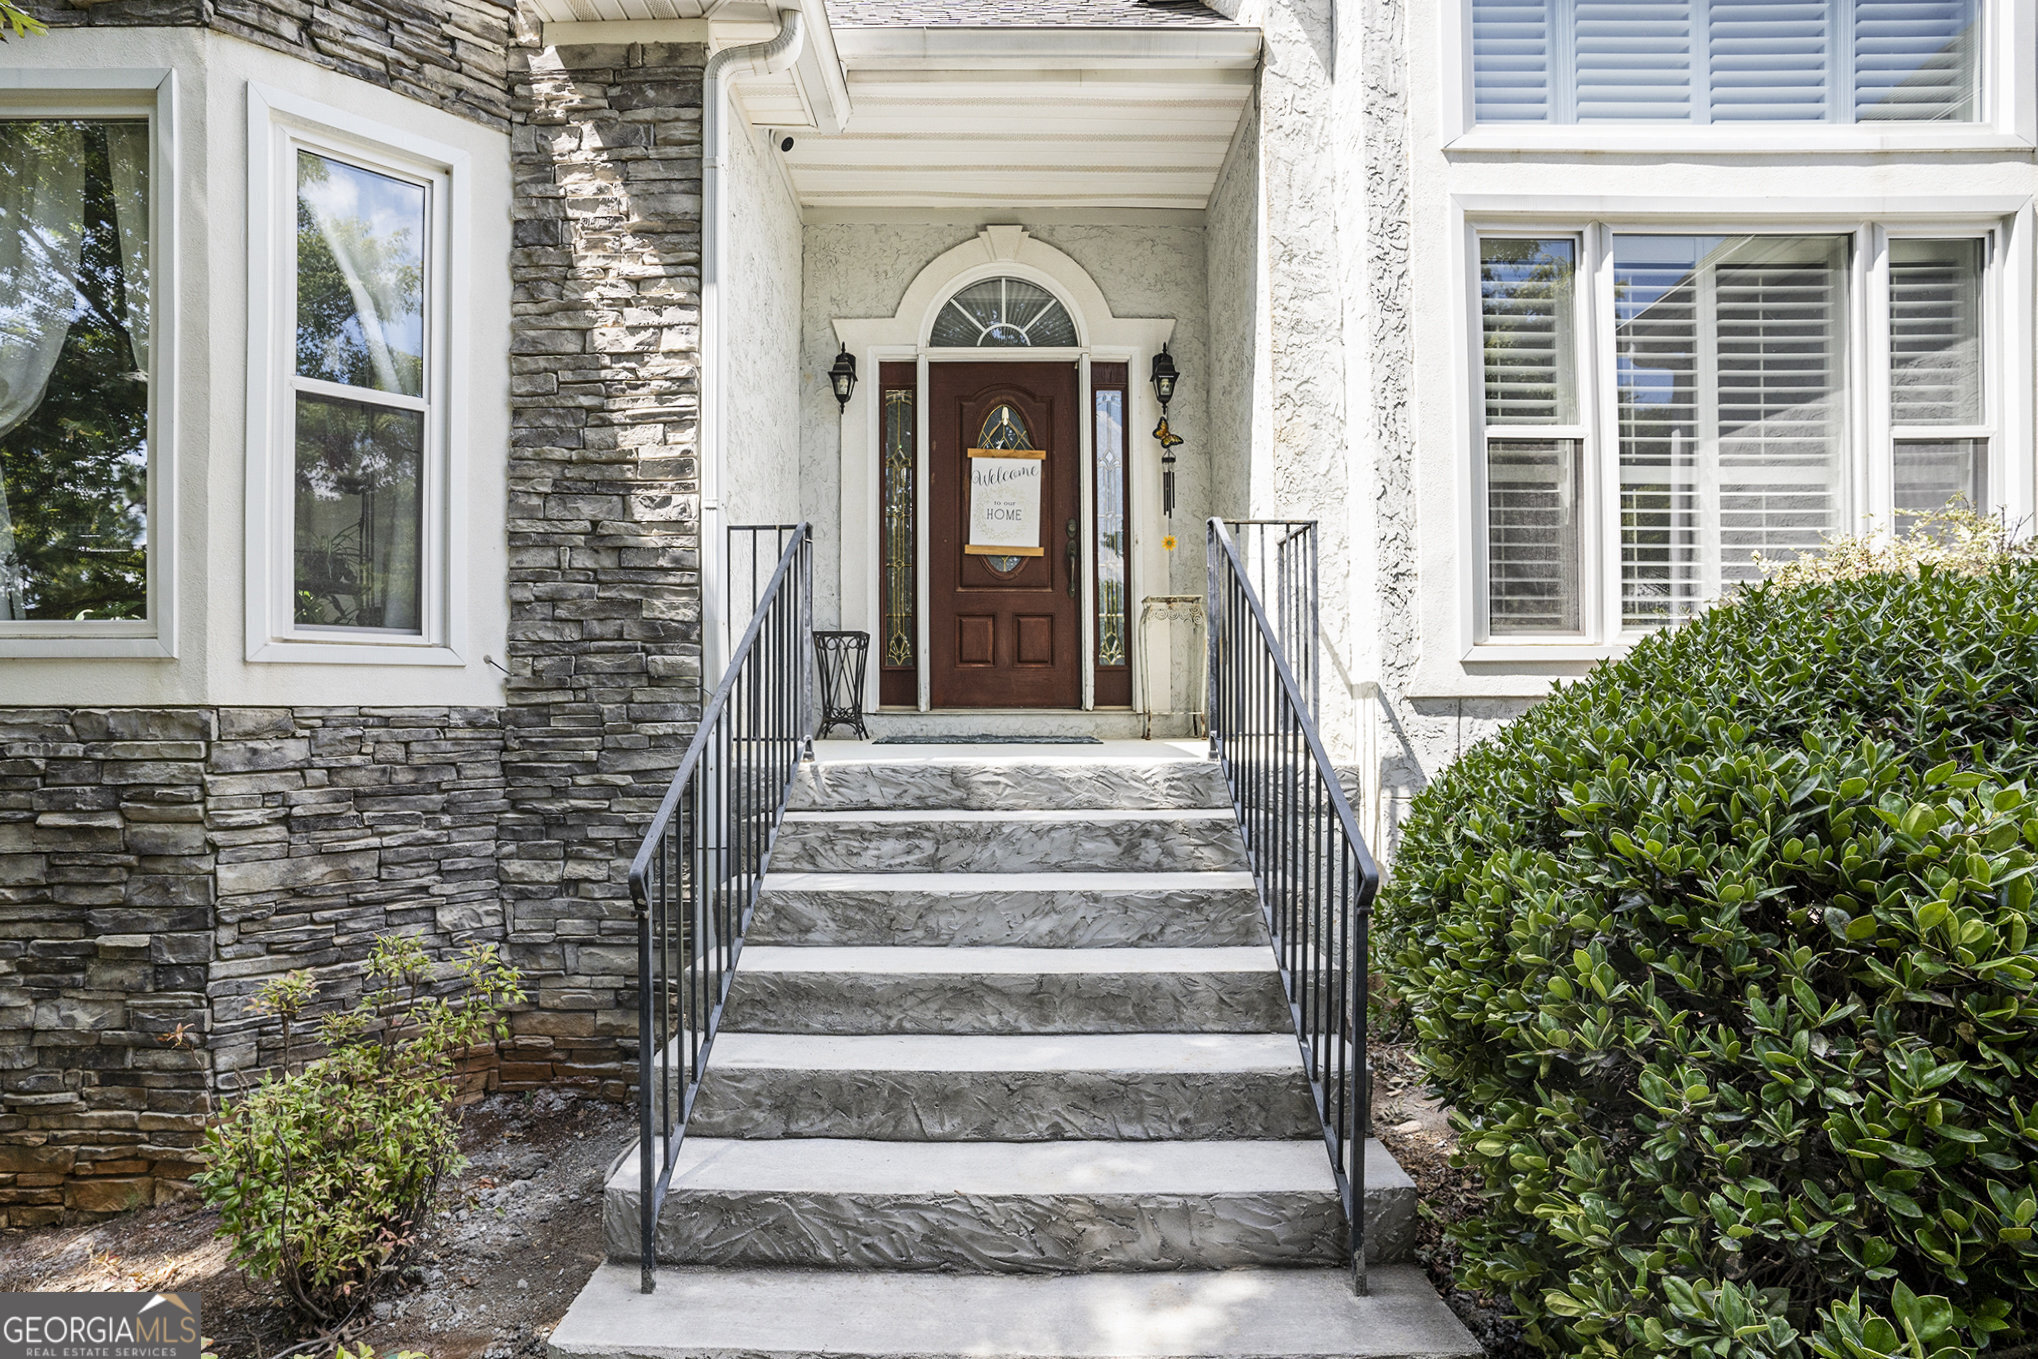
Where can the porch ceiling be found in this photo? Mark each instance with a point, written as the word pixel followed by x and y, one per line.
pixel 957 117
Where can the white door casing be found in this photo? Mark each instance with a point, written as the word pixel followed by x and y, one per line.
pixel 1006 251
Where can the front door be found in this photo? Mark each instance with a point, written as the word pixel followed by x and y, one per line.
pixel 1004 618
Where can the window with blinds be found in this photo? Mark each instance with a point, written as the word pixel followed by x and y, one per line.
pixel 1625 486
pixel 1725 61
pixel 1528 312
pixel 1730 356
pixel 1939 434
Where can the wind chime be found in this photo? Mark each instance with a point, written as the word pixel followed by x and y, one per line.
pixel 1164 375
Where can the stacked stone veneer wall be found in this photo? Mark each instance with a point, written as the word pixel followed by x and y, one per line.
pixel 449 54
pixel 157 864
pixel 604 517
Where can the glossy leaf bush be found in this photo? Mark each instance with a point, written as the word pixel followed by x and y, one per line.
pixel 1724 957
pixel 324 1171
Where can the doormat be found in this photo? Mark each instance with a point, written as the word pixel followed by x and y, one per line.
pixel 987 741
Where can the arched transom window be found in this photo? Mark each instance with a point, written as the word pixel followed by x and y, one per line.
pixel 1003 313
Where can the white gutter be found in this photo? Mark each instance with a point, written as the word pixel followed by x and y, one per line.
pixel 725 66
pixel 959 47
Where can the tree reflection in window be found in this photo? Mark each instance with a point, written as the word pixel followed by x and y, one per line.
pixel 74 363
pixel 360 400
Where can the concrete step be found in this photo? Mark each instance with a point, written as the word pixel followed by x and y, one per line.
pixel 989 1207
pixel 1029 910
pixel 1006 1088
pixel 1178 840
pixel 1031 783
pixel 1006 990
pixel 795 1314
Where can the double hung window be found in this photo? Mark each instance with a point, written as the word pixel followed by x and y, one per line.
pixel 1726 61
pixel 349 473
pixel 1718 421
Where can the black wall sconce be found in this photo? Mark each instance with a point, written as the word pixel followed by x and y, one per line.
pixel 1165 375
pixel 842 377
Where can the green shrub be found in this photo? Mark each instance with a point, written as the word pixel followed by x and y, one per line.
pixel 324 1171
pixel 1724 958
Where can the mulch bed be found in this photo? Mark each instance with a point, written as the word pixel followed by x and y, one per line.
pixel 1418 1131
pixel 510 1243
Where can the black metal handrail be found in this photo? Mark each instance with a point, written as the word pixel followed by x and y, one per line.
pixel 695 879
pixel 1315 875
pixel 1280 559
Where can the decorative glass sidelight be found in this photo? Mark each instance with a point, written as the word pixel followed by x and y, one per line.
pixel 1110 555
pixel 1111 548
pixel 897 520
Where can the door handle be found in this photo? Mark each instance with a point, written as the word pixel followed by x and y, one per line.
pixel 1075 563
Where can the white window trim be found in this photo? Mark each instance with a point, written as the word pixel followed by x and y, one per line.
pixel 2008 100
pixel 136 92
pixel 2006 224
pixel 278 124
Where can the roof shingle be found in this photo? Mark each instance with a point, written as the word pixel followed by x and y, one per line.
pixel 1022 13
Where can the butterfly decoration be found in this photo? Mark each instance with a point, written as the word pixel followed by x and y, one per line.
pixel 1169 441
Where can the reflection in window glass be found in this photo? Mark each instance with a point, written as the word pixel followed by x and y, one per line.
pixel 1002 313
pixel 1110 447
pixel 359 519
pixel 1530 330
pixel 358 540
pixel 74 369
pixel 360 277
pixel 1730 371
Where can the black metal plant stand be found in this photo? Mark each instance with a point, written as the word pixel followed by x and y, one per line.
pixel 841 658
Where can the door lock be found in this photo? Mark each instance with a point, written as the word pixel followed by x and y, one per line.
pixel 1075 563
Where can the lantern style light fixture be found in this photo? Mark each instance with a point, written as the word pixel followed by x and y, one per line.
pixel 1164 376
pixel 842 377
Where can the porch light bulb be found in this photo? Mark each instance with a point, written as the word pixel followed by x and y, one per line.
pixel 843 377
pixel 1164 375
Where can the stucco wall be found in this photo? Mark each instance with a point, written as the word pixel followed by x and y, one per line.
pixel 761 311
pixel 862 269
pixel 1236 289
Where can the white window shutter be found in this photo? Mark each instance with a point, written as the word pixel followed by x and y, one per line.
pixel 1511 61
pixel 1935 332
pixel 1914 60
pixel 1634 60
pixel 1781 360
pixel 1770 59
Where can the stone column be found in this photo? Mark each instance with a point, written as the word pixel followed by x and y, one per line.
pixel 604 522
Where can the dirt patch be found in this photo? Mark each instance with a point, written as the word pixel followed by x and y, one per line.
pixel 511 1242
pixel 1418 1131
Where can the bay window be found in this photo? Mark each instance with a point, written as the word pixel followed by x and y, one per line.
pixel 350 468
pixel 1720 423
pixel 1726 61
pixel 76 291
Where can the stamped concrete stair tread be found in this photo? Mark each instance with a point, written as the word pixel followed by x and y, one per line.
pixel 908 960
pixel 803 880
pixel 1189 1052
pixel 793 1314
pixel 998 1169
pixel 915 815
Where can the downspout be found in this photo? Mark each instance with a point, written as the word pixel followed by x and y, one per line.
pixel 731 63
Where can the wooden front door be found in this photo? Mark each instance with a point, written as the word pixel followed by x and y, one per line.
pixel 1004 629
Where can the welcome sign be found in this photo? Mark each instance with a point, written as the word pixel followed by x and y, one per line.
pixel 1004 502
